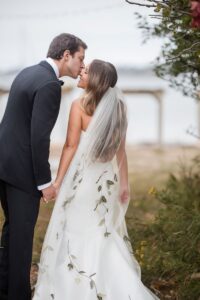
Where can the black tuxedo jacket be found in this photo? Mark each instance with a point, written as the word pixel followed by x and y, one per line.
pixel 29 118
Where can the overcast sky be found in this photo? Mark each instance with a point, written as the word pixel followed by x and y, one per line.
pixel 109 27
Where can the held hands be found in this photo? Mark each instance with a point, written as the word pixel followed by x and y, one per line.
pixel 49 193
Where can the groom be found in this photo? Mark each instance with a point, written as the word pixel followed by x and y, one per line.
pixel 25 175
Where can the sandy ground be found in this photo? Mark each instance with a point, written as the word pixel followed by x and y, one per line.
pixel 149 166
pixel 148 163
pixel 151 158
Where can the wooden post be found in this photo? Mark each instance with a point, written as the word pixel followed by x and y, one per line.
pixel 158 95
pixel 2 93
pixel 198 117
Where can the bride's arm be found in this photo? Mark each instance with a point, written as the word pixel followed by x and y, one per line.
pixel 123 172
pixel 71 143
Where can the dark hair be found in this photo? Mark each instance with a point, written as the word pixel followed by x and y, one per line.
pixel 62 42
pixel 101 76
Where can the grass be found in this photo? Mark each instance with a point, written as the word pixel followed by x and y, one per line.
pixel 149 168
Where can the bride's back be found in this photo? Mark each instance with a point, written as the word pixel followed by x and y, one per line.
pixel 85 118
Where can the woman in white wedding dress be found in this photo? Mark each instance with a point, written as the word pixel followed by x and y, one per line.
pixel 86 253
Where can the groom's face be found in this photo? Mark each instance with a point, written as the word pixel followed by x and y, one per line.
pixel 75 63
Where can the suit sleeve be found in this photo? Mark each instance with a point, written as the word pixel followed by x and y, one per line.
pixel 44 115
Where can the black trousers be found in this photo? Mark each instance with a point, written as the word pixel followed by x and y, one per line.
pixel 21 212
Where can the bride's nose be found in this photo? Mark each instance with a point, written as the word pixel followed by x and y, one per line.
pixel 82 71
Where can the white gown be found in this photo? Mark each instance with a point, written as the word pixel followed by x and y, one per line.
pixel 86 254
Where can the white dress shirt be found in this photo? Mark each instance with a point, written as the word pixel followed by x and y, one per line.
pixel 53 65
pixel 56 70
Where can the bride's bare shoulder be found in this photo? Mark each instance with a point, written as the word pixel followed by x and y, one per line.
pixel 78 105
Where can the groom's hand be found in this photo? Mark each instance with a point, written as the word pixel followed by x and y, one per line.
pixel 49 193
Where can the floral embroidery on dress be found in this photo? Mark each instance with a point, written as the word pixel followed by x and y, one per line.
pixel 72 265
pixel 77 179
pixel 103 200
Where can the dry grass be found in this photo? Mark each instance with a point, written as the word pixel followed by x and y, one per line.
pixel 148 167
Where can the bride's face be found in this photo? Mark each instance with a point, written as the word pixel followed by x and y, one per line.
pixel 83 81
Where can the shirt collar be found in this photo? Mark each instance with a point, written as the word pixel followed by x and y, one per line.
pixel 53 65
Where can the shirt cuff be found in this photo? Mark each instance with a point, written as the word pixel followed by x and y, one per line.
pixel 43 186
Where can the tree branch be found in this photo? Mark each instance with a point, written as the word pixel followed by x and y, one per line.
pixel 140 4
pixel 182 52
pixel 162 3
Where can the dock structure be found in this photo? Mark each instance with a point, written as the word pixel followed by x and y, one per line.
pixel 157 94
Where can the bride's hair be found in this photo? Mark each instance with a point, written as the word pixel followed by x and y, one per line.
pixel 102 76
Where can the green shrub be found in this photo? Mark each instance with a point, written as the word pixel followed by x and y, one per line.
pixel 169 248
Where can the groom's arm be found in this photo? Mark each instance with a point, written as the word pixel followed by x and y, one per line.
pixel 44 114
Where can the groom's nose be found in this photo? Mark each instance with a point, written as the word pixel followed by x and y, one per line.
pixel 82 68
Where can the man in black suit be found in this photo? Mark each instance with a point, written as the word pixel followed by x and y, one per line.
pixel 25 175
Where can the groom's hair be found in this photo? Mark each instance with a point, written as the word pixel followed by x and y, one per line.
pixel 62 42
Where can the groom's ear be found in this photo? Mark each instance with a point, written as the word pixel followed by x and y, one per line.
pixel 66 54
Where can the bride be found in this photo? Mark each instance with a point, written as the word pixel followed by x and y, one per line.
pixel 86 253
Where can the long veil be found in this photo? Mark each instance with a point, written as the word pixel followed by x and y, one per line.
pixel 103 137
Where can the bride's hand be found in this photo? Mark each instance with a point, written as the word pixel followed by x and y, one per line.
pixel 124 194
pixel 56 186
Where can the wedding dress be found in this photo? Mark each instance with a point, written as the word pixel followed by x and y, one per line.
pixel 86 253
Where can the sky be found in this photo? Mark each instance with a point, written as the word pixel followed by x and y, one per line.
pixel 109 27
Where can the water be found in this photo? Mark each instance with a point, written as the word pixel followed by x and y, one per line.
pixel 179 112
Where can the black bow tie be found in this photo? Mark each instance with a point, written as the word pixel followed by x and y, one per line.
pixel 61 82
